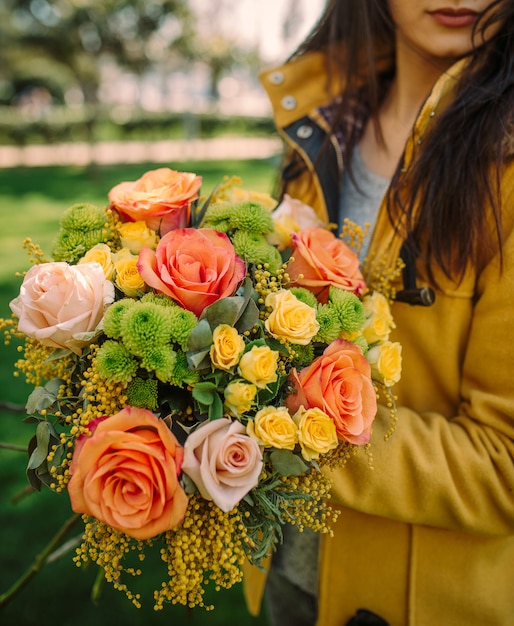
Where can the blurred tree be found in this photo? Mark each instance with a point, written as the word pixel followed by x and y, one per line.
pixel 61 42
pixel 218 46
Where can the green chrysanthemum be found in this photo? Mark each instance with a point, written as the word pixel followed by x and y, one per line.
pixel 305 296
pixel 303 355
pixel 362 343
pixel 142 392
pixel 113 316
pixel 181 374
pixel 161 360
pixel 159 298
pixel 83 217
pixel 70 246
pixel 255 250
pixel 144 327
pixel 349 309
pixel 181 324
pixel 248 216
pixel 114 363
pixel 329 324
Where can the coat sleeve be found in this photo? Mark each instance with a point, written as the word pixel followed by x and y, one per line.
pixel 452 472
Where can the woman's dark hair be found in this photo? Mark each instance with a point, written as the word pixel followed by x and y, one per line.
pixel 450 179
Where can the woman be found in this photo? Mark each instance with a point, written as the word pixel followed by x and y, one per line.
pixel 400 113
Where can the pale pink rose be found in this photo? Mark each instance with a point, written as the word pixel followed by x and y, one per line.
pixel 126 474
pixel 222 461
pixel 60 304
pixel 339 383
pixel 161 198
pixel 320 260
pixel 291 216
pixel 193 266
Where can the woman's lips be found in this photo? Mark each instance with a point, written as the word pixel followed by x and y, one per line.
pixel 454 18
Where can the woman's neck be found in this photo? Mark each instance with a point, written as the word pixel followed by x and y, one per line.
pixel 414 78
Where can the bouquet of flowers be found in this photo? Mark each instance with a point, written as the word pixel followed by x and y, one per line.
pixel 196 363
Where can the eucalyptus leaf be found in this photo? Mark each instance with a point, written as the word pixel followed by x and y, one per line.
pixel 57 354
pixel 248 318
pixel 287 463
pixel 39 455
pixel 224 311
pixel 216 408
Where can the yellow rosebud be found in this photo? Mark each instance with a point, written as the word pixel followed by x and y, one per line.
pixel 273 428
pixel 379 321
pixel 239 397
pixel 128 280
pixel 101 253
pixel 137 235
pixel 386 362
pixel 259 366
pixel 316 432
pixel 290 318
pixel 227 347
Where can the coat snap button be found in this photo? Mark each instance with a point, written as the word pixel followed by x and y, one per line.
pixel 304 131
pixel 276 78
pixel 289 103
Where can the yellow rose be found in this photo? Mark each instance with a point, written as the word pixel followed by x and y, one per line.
pixel 273 428
pixel 386 362
pixel 259 366
pixel 137 235
pixel 101 253
pixel 316 432
pixel 290 318
pixel 227 347
pixel 127 279
pixel 379 321
pixel 239 397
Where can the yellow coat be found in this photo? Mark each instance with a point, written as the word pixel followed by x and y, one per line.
pixel 426 537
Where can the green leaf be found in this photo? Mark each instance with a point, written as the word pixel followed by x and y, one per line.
pixel 204 393
pixel 224 311
pixel 39 455
pixel 287 463
pixel 43 397
pixel 216 408
pixel 198 345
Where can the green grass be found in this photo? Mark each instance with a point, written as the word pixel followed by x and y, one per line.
pixel 31 203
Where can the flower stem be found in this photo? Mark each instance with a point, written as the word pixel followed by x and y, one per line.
pixel 38 562
pixel 12 446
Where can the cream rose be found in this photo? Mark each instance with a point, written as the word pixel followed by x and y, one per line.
pixel 239 397
pixel 127 277
pixel 227 347
pixel 316 432
pixel 273 428
pixel 290 318
pixel 259 366
pixel 59 304
pixel 222 461
pixel 386 362
pixel 379 322
pixel 137 235
pixel 289 217
pixel 101 253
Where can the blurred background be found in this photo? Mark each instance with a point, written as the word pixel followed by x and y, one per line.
pixel 92 93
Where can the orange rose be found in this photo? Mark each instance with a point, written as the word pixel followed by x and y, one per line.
pixel 125 474
pixel 339 383
pixel 320 259
pixel 193 266
pixel 161 198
